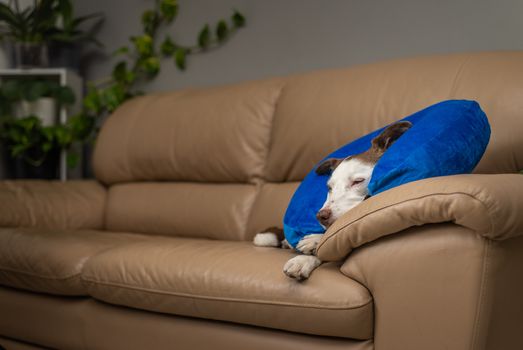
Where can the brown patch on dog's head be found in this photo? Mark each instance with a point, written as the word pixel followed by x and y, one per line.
pixel 328 165
pixel 369 156
pixel 383 141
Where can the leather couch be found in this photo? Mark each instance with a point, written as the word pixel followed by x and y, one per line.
pixel 156 253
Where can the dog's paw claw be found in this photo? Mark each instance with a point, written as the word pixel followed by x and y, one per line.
pixel 308 244
pixel 301 266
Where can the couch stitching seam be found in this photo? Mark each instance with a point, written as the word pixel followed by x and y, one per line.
pixel 271 131
pixel 246 301
pixel 60 278
pixel 481 295
pixel 263 177
pixel 458 75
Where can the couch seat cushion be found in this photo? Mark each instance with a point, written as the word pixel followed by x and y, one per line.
pixel 50 261
pixel 229 281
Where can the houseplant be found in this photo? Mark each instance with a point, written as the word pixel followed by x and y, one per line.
pixel 32 143
pixel 67 38
pixel 25 28
pixel 141 58
pixel 35 96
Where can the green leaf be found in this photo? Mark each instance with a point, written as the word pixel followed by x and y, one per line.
pixel 168 46
pixel 169 9
pixel 65 95
pixel 113 96
pixel 53 86
pixel 238 19
pixel 65 8
pixel 8 16
pixel 143 44
pixel 37 89
pixel 92 101
pixel 81 126
pixel 17 150
pixel 121 51
pixel 130 77
pixel 151 66
pixel 62 135
pixel 204 37
pixel 150 21
pixel 48 133
pixel 79 20
pixel 5 108
pixel 179 58
pixel 120 71
pixel 222 31
pixel 90 35
pixel 12 89
pixel 29 123
pixel 72 159
pixel 47 146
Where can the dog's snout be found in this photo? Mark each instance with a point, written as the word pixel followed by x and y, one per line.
pixel 324 216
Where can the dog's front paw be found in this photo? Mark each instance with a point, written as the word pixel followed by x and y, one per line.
pixel 308 244
pixel 301 266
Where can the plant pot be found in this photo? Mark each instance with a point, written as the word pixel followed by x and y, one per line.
pixel 30 55
pixel 65 55
pixel 44 108
pixel 18 168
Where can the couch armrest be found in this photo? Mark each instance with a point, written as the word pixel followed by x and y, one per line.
pixel 490 205
pixel 52 204
pixel 442 286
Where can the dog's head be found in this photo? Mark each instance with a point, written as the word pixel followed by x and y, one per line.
pixel 350 176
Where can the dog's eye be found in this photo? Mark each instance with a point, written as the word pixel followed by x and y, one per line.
pixel 357 181
pixel 329 188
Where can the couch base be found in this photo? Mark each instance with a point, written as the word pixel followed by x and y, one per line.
pixel 83 323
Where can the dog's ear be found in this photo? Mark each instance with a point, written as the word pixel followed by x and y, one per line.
pixel 387 137
pixel 328 165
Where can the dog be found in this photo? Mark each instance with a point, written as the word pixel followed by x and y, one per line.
pixel 347 187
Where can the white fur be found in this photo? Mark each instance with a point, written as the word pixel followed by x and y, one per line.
pixel 344 194
pixel 301 266
pixel 307 245
pixel 266 239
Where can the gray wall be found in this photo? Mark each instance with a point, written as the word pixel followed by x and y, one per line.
pixel 289 36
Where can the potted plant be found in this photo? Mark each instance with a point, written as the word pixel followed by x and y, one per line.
pixel 33 140
pixel 66 38
pixel 25 28
pixel 39 97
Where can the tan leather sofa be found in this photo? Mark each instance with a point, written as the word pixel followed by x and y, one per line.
pixel 157 253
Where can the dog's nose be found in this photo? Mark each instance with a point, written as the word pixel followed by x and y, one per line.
pixel 323 216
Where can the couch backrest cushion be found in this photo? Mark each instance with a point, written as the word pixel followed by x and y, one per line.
pixel 201 210
pixel 207 135
pixel 268 134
